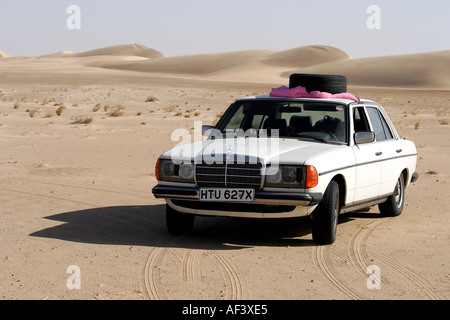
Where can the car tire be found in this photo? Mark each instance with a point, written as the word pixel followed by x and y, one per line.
pixel 393 206
pixel 325 216
pixel 319 82
pixel 178 223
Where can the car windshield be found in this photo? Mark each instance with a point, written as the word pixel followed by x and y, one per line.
pixel 319 121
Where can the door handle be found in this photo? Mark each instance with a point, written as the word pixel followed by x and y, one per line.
pixel 399 150
pixel 378 154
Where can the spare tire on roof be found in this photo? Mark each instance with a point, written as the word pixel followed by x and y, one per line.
pixel 319 82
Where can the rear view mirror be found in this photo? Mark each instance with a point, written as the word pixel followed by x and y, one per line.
pixel 364 137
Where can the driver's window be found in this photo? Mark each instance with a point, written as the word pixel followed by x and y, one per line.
pixel 360 120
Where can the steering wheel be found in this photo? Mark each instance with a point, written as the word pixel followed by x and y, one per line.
pixel 331 134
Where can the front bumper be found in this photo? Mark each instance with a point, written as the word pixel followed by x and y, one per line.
pixel 261 197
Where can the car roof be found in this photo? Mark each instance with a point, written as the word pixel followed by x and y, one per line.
pixel 267 97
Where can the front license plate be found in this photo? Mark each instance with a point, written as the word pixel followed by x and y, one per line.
pixel 227 195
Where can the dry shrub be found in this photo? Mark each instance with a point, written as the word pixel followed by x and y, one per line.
pixel 116 111
pixel 32 112
pixel 97 107
pixel 82 120
pixel 60 110
pixel 417 126
pixel 151 99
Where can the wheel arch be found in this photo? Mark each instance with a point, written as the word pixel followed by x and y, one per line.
pixel 406 176
pixel 340 179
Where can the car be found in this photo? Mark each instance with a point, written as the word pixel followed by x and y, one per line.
pixel 287 156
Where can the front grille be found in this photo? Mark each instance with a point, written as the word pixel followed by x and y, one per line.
pixel 229 175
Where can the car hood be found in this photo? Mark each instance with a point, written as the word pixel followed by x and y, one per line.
pixel 268 150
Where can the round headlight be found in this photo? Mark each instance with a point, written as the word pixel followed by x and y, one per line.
pixel 168 169
pixel 187 171
pixel 273 176
pixel 289 174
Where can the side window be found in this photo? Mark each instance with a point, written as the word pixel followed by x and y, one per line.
pixel 387 131
pixel 359 120
pixel 377 124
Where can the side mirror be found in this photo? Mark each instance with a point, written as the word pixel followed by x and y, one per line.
pixel 364 137
pixel 206 128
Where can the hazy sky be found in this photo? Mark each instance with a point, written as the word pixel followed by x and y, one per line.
pixel 180 27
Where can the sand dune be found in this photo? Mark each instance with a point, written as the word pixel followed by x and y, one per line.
pixel 4 54
pixel 200 64
pixel 269 68
pixel 61 54
pixel 424 70
pixel 122 50
pixel 305 56
pixel 237 62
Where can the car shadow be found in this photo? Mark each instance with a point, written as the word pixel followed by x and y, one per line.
pixel 146 226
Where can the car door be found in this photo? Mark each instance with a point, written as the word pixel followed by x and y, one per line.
pixel 368 159
pixel 391 149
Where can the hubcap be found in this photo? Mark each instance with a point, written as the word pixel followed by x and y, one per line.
pixel 398 194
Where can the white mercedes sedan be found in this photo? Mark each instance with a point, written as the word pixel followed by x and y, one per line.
pixel 276 157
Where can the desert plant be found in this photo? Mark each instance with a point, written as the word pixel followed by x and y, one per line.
pixel 32 112
pixel 116 111
pixel 151 99
pixel 82 120
pixel 417 126
pixel 171 108
pixel 97 107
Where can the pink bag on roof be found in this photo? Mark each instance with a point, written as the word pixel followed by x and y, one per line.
pixel 300 92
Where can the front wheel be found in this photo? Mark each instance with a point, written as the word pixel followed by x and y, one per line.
pixel 325 216
pixel 393 206
pixel 178 223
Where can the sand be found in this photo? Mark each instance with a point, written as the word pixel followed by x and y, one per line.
pixel 76 188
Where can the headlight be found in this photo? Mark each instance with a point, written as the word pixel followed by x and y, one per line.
pixel 291 177
pixel 166 170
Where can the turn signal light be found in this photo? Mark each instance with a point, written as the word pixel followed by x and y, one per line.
pixel 157 169
pixel 312 177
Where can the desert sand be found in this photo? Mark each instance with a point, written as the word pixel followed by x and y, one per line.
pixel 80 136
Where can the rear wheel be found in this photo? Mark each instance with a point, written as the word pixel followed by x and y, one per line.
pixel 393 206
pixel 178 223
pixel 325 216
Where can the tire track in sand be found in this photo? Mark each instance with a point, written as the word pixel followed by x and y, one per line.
pixel 321 259
pixel 357 245
pixel 358 255
pixel 189 267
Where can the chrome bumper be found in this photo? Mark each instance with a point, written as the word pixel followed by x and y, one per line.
pixel 261 197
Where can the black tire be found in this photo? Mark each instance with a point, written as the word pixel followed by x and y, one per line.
pixel 393 206
pixel 178 223
pixel 319 82
pixel 325 216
